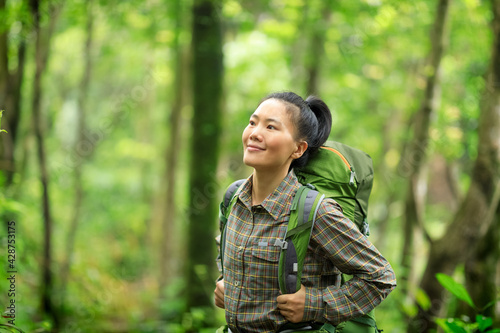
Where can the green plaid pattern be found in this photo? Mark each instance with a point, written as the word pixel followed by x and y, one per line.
pixel 251 263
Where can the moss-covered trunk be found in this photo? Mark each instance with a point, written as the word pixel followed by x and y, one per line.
pixel 207 90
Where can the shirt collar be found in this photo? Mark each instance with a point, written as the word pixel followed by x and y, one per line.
pixel 277 202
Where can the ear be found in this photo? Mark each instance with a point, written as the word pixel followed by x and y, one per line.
pixel 301 148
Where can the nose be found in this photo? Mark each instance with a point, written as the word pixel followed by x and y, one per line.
pixel 255 134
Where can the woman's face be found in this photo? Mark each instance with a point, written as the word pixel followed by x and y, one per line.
pixel 269 139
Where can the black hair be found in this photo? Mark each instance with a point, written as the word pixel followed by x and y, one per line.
pixel 312 119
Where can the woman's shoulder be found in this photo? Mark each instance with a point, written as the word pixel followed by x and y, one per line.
pixel 331 221
pixel 329 204
pixel 329 209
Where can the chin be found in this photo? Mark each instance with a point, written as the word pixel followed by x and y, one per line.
pixel 251 162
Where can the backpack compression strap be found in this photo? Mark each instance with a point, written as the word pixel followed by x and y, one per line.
pixel 294 247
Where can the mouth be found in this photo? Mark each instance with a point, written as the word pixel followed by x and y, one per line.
pixel 254 148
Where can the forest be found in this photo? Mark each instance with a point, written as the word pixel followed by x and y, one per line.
pixel 121 128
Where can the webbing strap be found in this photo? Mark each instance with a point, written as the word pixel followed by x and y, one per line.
pixel 328 327
pixel 365 320
pixel 299 228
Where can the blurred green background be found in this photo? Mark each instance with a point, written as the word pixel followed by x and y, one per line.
pixel 124 123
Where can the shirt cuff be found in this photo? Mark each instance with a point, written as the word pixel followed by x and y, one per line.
pixel 314 309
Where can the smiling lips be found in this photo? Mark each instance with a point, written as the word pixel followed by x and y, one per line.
pixel 254 148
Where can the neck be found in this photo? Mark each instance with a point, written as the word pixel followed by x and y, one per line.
pixel 264 183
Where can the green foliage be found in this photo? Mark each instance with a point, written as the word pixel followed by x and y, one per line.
pixel 464 325
pixel 455 288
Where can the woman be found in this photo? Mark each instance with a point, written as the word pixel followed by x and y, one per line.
pixel 283 132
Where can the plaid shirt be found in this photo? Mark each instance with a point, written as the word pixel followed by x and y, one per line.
pixel 336 246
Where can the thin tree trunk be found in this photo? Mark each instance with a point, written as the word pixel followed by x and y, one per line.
pixel 78 150
pixel 168 262
pixel 316 49
pixel 207 91
pixel 476 213
pixel 41 56
pixel 385 170
pixel 414 159
pixel 298 51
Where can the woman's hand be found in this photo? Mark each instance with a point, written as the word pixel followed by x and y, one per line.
pixel 291 306
pixel 219 294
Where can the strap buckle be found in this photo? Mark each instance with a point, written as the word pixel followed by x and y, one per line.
pixel 283 244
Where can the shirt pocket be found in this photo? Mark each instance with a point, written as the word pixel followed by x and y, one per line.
pixel 266 255
pixel 263 270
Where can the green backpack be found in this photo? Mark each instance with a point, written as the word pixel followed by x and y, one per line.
pixel 339 172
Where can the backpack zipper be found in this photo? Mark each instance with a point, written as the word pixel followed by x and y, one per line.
pixel 351 180
pixel 341 156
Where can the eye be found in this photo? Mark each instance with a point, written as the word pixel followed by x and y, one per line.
pixel 271 127
pixel 251 123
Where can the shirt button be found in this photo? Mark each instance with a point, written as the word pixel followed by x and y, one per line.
pixel 237 283
pixel 240 248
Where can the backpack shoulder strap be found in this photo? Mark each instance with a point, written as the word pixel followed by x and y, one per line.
pixel 227 202
pixel 224 211
pixel 294 247
pixel 231 191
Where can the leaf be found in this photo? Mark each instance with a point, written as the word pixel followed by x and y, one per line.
pixel 456 328
pixel 441 322
pixel 455 288
pixel 484 322
pixel 449 326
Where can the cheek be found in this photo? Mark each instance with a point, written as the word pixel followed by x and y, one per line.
pixel 244 135
pixel 281 145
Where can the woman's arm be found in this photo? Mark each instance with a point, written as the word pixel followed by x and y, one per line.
pixel 351 252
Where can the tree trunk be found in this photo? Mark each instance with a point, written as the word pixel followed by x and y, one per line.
pixel 481 271
pixel 10 100
pixel 42 47
pixel 4 58
pixel 316 49
pixel 170 232
pixel 476 213
pixel 207 91
pixel 298 51
pixel 6 139
pixel 414 159
pixel 79 148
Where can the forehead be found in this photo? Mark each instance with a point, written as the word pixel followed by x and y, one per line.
pixel 273 109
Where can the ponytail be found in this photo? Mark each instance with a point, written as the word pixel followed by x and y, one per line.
pixel 324 118
pixel 312 119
